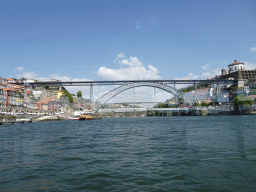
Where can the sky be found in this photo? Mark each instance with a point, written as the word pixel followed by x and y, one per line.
pixel 125 39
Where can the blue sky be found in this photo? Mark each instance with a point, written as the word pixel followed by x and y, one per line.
pixel 125 39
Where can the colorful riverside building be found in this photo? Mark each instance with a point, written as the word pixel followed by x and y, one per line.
pixel 15 98
pixel 3 96
pixel 49 103
pixel 11 95
pixel 10 98
pixel 58 94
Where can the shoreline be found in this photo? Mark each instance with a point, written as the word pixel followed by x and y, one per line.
pixel 29 119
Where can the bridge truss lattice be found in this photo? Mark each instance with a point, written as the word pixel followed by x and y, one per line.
pixel 109 95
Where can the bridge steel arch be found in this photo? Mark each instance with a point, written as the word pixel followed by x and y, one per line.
pixel 109 95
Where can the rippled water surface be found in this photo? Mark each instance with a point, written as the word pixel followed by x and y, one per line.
pixel 212 153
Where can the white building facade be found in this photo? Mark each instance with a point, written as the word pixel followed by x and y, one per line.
pixel 235 66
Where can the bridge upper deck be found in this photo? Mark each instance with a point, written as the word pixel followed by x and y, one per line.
pixel 98 83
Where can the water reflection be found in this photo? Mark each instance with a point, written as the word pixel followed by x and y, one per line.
pixel 240 141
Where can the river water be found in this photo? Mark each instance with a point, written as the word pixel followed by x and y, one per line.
pixel 201 153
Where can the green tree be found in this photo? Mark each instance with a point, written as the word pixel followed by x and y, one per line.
pixel 164 105
pixel 242 100
pixel 196 104
pixel 70 97
pixel 252 92
pixel 204 103
pixel 79 93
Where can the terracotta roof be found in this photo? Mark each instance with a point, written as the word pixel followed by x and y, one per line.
pixel 42 102
pixel 252 96
pixel 236 63
pixel 9 79
pixel 48 98
pixel 7 89
pixel 14 85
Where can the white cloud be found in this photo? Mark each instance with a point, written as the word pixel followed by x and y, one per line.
pixel 64 78
pixel 249 66
pixel 253 49
pixel 28 75
pixel 126 62
pixel 204 75
pixel 205 67
pixel 19 68
pixel 211 73
pixel 162 96
pixel 134 61
pixel 120 55
pixel 136 70
pixel 189 76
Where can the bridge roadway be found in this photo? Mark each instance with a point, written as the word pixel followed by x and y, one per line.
pixel 123 110
pixel 99 83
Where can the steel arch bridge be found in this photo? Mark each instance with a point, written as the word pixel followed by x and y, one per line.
pixel 106 97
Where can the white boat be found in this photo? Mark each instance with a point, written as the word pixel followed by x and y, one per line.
pixel 77 114
pixel 23 120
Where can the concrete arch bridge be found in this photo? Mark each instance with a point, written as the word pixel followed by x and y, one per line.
pixel 109 95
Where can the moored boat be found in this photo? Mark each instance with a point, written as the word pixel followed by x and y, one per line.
pixel 86 117
pixel 77 115
pixel 89 117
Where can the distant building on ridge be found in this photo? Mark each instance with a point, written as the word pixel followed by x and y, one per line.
pixel 237 71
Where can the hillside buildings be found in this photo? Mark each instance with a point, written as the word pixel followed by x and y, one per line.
pixel 14 95
pixel 237 70
pixel 222 94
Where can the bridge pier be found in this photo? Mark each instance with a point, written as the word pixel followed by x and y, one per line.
pixel 195 87
pixel 154 94
pixel 91 96
pixel 134 95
